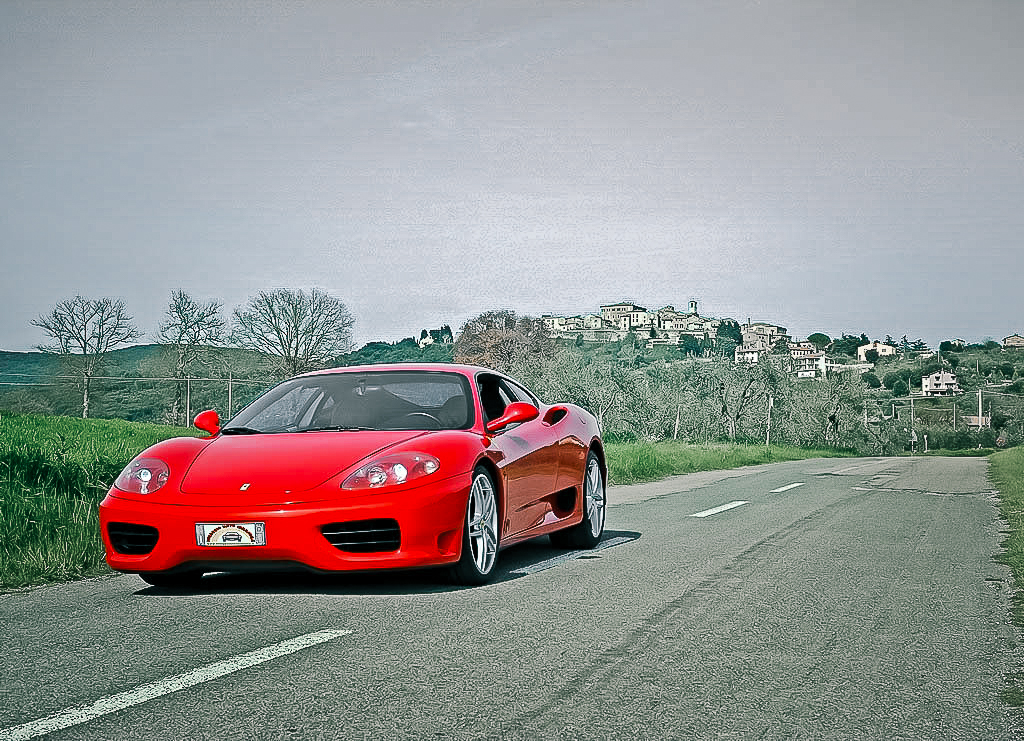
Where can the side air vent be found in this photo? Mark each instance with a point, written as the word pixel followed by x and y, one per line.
pixel 363 536
pixel 132 540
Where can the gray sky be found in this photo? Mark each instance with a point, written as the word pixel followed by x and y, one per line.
pixel 829 166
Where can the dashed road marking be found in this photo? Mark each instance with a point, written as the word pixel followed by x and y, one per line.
pixel 786 488
pixel 550 563
pixel 85 712
pixel 716 510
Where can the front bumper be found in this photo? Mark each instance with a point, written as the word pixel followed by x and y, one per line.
pixel 430 520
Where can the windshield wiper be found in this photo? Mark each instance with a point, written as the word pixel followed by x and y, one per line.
pixel 241 431
pixel 339 428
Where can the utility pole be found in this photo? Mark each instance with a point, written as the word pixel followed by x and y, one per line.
pixel 229 393
pixel 954 415
pixel 768 436
pixel 188 400
pixel 980 417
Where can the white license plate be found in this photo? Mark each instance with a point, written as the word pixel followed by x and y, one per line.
pixel 230 533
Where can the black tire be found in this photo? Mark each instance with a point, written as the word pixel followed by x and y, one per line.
pixel 173 579
pixel 480 533
pixel 588 532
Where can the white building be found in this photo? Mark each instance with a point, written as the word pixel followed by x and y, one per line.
pixel 940 383
pixel 749 353
pixel 881 348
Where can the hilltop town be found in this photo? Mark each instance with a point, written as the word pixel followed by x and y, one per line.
pixel 747 343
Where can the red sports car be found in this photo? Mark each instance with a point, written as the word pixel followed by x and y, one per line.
pixel 366 467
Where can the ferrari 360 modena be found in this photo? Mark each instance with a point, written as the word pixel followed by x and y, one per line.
pixel 362 468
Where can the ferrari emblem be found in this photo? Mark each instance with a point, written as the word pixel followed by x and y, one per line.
pixel 244 487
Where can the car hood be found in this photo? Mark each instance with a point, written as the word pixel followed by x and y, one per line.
pixel 279 467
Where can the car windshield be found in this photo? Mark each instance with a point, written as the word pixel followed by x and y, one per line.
pixel 378 400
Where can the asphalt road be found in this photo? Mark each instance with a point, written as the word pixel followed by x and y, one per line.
pixel 844 599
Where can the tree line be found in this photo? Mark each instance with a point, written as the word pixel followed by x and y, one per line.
pixel 692 400
pixel 296 330
pixel 639 395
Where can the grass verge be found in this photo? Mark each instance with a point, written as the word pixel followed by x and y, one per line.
pixel 632 463
pixel 53 473
pixel 1007 471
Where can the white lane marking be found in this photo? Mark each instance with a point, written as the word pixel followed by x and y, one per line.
pixel 785 488
pixel 716 510
pixel 556 560
pixel 847 469
pixel 73 716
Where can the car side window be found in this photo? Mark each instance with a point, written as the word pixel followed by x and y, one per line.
pixel 520 393
pixel 494 397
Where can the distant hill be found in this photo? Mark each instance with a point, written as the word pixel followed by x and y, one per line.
pixel 31 382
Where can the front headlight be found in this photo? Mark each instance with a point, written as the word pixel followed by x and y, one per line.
pixel 389 470
pixel 143 476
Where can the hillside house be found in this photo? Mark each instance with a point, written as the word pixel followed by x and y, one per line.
pixel 808 362
pixel 810 366
pixel 762 334
pixel 613 313
pixel 883 350
pixel 749 353
pixel 940 383
pixel 1013 342
pixel 443 336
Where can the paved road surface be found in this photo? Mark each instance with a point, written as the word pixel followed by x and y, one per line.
pixel 843 599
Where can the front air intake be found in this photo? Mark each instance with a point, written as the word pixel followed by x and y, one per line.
pixel 132 540
pixel 363 536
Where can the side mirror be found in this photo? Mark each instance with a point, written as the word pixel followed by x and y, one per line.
pixel 517 411
pixel 208 421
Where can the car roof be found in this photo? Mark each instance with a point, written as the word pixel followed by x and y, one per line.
pixel 466 370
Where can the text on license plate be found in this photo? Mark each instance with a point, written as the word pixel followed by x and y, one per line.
pixel 230 533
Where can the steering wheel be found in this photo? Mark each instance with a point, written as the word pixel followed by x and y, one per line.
pixel 429 416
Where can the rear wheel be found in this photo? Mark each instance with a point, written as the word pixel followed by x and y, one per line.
pixel 173 579
pixel 588 532
pixel 479 532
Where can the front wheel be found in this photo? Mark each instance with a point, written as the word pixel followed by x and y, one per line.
pixel 479 532
pixel 588 532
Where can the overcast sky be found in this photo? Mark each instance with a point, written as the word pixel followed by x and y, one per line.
pixel 827 166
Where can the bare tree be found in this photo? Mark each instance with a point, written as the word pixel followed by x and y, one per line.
pixel 501 340
pixel 188 328
pixel 743 393
pixel 590 382
pixel 84 331
pixel 304 330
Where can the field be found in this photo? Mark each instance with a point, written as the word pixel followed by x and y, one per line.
pixel 53 473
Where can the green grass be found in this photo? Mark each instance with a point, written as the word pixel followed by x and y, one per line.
pixel 53 473
pixel 631 463
pixel 964 453
pixel 1007 471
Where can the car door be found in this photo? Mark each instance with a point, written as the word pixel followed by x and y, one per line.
pixel 570 455
pixel 529 458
